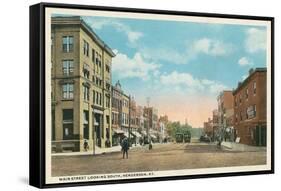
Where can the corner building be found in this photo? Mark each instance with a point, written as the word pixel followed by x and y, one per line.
pixel 250 108
pixel 81 86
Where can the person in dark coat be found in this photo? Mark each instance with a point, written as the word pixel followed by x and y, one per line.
pixel 125 147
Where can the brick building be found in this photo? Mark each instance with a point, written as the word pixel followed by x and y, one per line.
pixel 81 86
pixel 225 114
pixel 208 128
pixel 250 108
pixel 117 113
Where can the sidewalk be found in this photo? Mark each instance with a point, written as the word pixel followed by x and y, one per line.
pixel 98 151
pixel 241 147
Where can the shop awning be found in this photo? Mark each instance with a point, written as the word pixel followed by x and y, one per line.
pixel 136 134
pixel 153 136
pixel 126 134
pixel 144 133
pixel 118 131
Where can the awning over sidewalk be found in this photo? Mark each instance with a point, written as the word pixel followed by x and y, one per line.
pixel 126 134
pixel 118 131
pixel 136 134
pixel 153 136
pixel 144 133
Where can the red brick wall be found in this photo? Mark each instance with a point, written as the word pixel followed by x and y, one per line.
pixel 245 126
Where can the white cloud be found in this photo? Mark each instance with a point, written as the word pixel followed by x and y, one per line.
pixel 244 61
pixel 164 54
pixel 135 67
pixel 185 79
pixel 211 47
pixel 187 82
pixel 255 40
pixel 132 35
pixel 190 51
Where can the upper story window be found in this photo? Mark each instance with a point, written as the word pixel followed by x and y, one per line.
pixel 67 67
pixel 240 98
pixel 67 43
pixel 107 102
pixel 93 56
pixel 108 86
pixel 255 88
pixel 107 68
pixel 86 48
pixel 67 90
pixel 86 92
pixel 235 101
pixel 241 116
pixel 247 93
pixel 86 73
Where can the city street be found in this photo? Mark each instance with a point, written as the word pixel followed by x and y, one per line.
pixel 161 157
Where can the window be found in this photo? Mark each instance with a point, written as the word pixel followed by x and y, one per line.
pixel 255 88
pixel 241 116
pixel 67 43
pixel 100 99
pixel 107 68
pixel 247 93
pixel 236 118
pixel 86 73
pixel 108 86
pixel 86 92
pixel 86 48
pixel 67 90
pixel 255 111
pixel 86 124
pixel 67 123
pixel 240 98
pixel 67 67
pixel 235 101
pixel 107 119
pixel 107 100
pixel 97 62
pixel 93 56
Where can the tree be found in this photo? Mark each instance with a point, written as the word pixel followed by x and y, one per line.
pixel 174 128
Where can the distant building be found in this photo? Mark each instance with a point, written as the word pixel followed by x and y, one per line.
pixel 152 117
pixel 225 114
pixel 81 86
pixel 208 128
pixel 250 108
pixel 134 121
pixel 125 124
pixel 140 118
pixel 117 113
pixel 133 114
pixel 215 122
pixel 163 121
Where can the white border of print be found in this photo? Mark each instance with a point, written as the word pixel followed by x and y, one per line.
pixel 113 176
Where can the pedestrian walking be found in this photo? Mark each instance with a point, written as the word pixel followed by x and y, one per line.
pixel 86 145
pixel 125 147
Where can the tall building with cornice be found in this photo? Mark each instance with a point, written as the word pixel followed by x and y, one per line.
pixel 81 86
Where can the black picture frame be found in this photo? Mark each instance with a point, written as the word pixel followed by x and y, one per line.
pixel 37 93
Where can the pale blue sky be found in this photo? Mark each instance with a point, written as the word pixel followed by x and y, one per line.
pixel 221 54
pixel 180 63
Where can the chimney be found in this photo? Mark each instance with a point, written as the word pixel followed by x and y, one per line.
pixel 251 71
